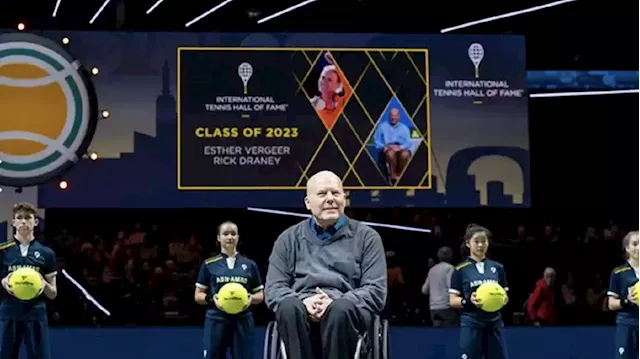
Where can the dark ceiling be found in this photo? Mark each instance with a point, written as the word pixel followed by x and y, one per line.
pixel 582 34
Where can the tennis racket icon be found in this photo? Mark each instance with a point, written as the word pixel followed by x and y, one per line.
pixel 245 71
pixel 476 54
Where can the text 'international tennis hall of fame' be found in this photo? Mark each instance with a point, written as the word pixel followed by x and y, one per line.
pixel 268 118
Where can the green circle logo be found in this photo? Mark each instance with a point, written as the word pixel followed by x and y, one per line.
pixel 48 109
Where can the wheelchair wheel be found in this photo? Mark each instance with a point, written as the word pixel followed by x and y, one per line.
pixel 384 338
pixel 376 347
pixel 271 342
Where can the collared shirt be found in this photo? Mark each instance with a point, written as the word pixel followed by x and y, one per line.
pixel 221 269
pixel 389 134
pixel 623 278
pixel 323 233
pixel 13 256
pixel 467 277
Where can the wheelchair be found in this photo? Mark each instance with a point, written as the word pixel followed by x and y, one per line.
pixel 373 344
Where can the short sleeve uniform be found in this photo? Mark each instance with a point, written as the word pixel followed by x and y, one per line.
pixel 222 330
pixel 20 320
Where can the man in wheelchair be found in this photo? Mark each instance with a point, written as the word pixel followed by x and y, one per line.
pixel 330 271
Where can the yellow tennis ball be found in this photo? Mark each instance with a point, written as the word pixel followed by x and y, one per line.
pixel 25 283
pixel 635 290
pixel 232 298
pixel 492 296
pixel 25 109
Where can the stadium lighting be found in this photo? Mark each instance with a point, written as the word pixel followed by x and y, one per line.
pixel 55 10
pixel 207 13
pixel 289 9
pixel 100 10
pixel 63 184
pixel 154 6
pixel 504 16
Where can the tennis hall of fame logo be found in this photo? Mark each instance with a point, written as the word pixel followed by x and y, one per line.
pixel 246 103
pixel 48 110
pixel 477 87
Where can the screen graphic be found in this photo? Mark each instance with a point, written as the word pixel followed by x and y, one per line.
pixel 267 119
pixel 214 119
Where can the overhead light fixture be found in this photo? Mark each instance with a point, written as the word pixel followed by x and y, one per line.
pixel 504 16
pixel 65 41
pixel 21 26
pixel 253 13
pixel 55 10
pixel 289 9
pixel 154 6
pixel 100 10
pixel 583 93
pixel 207 13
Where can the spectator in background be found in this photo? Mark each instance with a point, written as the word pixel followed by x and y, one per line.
pixel 596 297
pixel 394 272
pixel 436 286
pixel 136 237
pixel 395 286
pixel 541 303
pixel 189 255
pixel 569 311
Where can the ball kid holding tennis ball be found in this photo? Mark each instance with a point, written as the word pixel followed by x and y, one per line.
pixel 228 284
pixel 28 271
pixel 479 290
pixel 623 298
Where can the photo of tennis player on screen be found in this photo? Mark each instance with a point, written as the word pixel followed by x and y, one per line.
pixel 393 140
pixel 328 89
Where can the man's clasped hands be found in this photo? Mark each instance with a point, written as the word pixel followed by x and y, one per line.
pixel 317 305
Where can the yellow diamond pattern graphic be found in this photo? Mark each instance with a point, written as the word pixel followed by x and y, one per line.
pixel 350 123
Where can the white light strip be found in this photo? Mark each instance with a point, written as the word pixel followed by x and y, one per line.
pixel 211 11
pixel 372 224
pixel 85 293
pixel 106 2
pixel 154 6
pixel 289 9
pixel 583 93
pixel 55 10
pixel 503 16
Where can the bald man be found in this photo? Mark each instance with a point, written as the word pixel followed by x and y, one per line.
pixel 393 138
pixel 330 270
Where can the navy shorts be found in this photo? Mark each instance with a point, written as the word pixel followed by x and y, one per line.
pixel 229 333
pixel 486 342
pixel 626 341
pixel 33 333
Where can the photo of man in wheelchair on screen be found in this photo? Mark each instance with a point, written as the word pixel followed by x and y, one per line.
pixel 393 144
pixel 327 283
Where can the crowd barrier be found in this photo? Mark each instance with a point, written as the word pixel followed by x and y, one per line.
pixel 406 343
